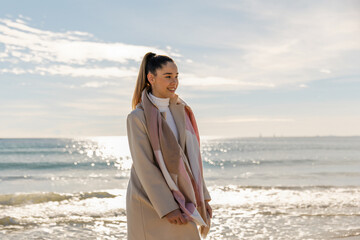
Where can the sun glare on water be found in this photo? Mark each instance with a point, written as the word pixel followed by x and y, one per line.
pixel 107 148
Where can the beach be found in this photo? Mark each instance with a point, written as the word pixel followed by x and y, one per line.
pixel 261 187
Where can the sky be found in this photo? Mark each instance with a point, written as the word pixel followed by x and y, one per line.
pixel 246 68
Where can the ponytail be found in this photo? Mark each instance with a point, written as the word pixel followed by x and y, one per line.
pixel 150 63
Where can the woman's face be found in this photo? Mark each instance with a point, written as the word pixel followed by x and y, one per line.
pixel 165 82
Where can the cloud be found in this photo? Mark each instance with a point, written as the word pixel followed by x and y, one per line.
pixel 101 107
pixel 284 43
pixel 303 86
pixel 268 46
pixel 18 109
pixel 78 54
pixel 236 119
pixel 71 53
pixel 221 82
pixel 325 71
pixel 104 72
pixel 28 44
pixel 95 84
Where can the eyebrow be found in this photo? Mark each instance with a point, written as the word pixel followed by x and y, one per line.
pixel 169 73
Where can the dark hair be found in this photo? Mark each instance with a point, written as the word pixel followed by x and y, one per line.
pixel 150 63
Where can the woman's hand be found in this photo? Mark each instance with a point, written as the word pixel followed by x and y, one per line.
pixel 175 217
pixel 208 208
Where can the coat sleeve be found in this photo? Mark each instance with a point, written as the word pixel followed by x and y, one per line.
pixel 149 174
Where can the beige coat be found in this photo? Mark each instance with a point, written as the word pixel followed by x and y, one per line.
pixel 148 197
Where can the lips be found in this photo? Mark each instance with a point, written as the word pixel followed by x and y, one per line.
pixel 172 89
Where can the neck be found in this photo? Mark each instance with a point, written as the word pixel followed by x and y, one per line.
pixel 157 96
pixel 161 103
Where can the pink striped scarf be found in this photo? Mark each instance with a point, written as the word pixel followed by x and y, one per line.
pixel 182 171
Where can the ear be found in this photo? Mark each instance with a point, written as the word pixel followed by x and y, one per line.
pixel 150 77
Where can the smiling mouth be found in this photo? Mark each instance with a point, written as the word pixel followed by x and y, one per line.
pixel 172 89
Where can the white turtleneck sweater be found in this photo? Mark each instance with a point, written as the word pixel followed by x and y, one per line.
pixel 163 105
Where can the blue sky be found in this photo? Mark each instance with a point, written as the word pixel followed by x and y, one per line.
pixel 247 68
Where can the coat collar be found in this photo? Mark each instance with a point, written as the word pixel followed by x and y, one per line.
pixel 177 109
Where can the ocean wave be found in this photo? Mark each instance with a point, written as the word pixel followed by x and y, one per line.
pixel 237 163
pixel 314 198
pixel 7 221
pixel 20 177
pixel 54 165
pixel 35 198
pixel 348 234
pixel 36 151
pixel 61 177
pixel 238 188
pixel 289 213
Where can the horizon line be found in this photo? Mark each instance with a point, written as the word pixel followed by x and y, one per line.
pixel 202 136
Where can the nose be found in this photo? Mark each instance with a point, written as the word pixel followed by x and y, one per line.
pixel 174 81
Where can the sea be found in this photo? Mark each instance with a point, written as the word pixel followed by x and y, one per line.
pixel 261 187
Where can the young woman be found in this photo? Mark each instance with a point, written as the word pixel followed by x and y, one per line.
pixel 166 196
